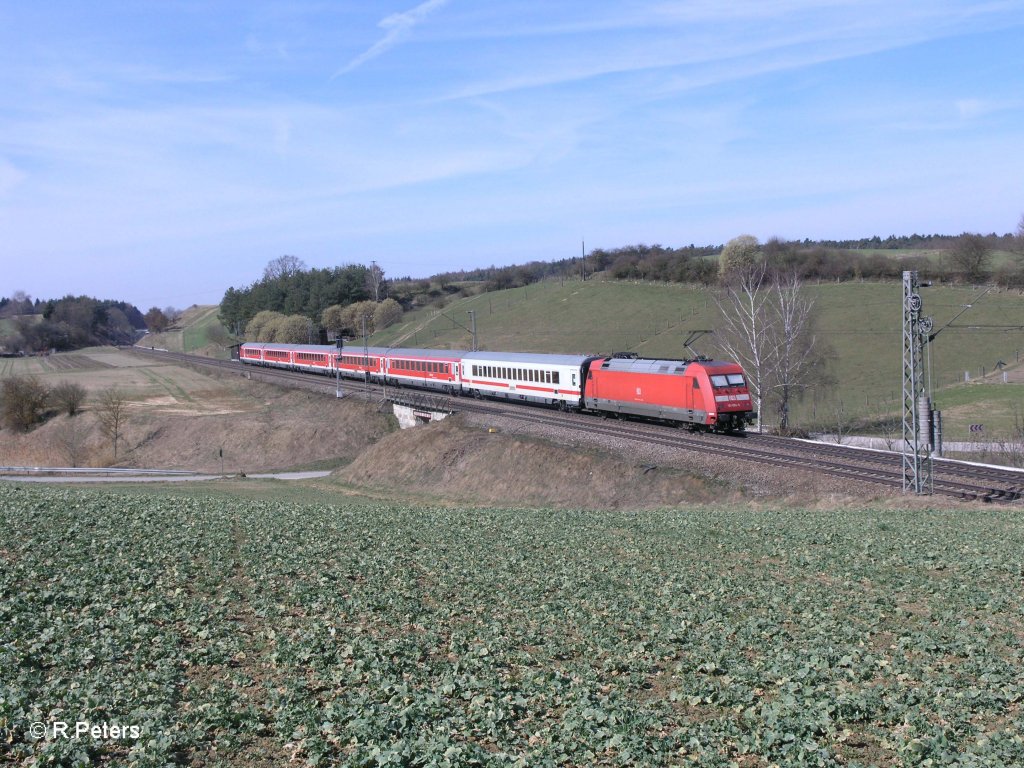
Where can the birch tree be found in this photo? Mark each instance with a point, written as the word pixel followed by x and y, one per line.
pixel 767 327
pixel 375 281
pixel 794 362
pixel 748 332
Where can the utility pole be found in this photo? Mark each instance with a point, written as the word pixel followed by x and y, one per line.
pixel 472 325
pixel 337 367
pixel 366 354
pixel 583 260
pixel 917 457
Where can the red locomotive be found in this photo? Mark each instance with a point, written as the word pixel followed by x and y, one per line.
pixel 703 393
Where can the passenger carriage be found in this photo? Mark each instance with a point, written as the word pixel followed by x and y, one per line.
pixel 364 363
pixel 314 358
pixel 428 368
pixel 523 376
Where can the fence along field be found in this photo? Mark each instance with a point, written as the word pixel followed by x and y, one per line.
pixel 262 633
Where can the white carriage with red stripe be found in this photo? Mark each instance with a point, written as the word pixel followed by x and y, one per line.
pixel 523 376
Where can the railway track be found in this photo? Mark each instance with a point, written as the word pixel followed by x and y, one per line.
pixel 953 479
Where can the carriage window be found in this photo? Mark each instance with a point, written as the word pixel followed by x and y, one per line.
pixel 719 381
pixel 736 379
pixel 554 377
pixel 696 384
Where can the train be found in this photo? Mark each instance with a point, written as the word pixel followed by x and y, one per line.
pixel 704 394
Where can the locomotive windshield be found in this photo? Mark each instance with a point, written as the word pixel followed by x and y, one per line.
pixel 727 380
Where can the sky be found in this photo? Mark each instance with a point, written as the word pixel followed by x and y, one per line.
pixel 160 152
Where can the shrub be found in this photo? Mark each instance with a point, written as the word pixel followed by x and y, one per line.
pixel 68 397
pixel 24 400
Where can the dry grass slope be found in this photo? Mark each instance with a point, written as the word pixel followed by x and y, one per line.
pixel 450 462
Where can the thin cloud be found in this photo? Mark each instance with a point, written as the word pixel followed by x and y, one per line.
pixel 397 27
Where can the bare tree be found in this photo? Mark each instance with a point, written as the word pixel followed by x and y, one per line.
pixel 842 423
pixel 68 396
pixel 1018 239
pixel 971 255
pixel 283 266
pixel 71 439
pixel 794 362
pixel 767 327
pixel 112 412
pixel 748 333
pixel 375 281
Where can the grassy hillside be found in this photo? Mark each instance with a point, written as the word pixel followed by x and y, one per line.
pixel 199 331
pixel 860 322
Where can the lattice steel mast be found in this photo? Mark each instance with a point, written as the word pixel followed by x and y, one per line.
pixel 917 457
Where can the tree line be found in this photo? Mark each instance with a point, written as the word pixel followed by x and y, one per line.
pixel 293 304
pixel 290 289
pixel 68 323
pixel 968 256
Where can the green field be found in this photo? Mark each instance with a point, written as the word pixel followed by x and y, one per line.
pixel 241 633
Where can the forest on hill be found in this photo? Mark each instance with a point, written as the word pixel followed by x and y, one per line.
pixel 73 322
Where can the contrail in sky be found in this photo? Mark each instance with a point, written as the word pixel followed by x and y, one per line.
pixel 397 27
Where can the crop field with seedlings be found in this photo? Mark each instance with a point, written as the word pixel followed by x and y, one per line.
pixel 254 633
